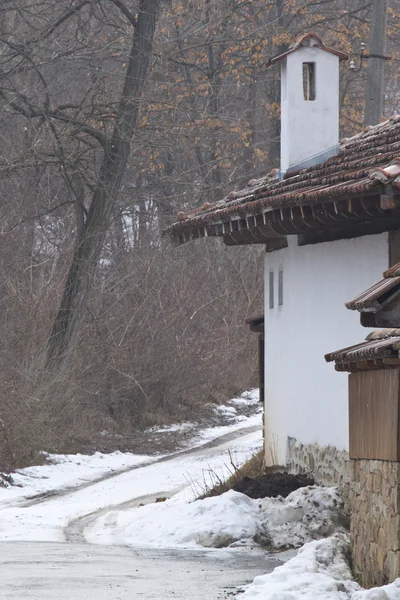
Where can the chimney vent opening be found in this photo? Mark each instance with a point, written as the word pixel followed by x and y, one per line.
pixel 309 81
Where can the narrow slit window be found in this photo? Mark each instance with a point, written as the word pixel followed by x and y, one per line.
pixel 271 289
pixel 309 81
pixel 280 288
pixel 284 82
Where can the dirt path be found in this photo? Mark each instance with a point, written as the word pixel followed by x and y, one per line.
pixel 74 532
pixel 40 498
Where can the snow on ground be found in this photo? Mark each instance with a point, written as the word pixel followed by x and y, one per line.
pixel 211 433
pixel 217 522
pixel 46 521
pixel 318 572
pixel 248 402
pixel 212 522
pixel 386 592
pixel 208 434
pixel 66 471
pixel 229 412
pixel 170 428
pixel 306 514
pixel 251 397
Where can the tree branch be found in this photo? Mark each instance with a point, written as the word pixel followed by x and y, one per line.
pixel 125 10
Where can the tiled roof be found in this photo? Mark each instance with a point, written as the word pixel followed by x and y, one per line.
pixel 379 305
pixel 392 272
pixel 375 297
pixel 380 346
pixel 365 163
pixel 302 40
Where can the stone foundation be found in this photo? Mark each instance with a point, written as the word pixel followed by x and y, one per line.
pixel 371 495
pixel 328 465
pixel 374 500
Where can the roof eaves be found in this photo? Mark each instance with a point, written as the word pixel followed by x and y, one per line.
pixel 299 43
pixel 374 298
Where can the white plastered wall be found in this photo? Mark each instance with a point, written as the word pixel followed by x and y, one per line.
pixel 305 397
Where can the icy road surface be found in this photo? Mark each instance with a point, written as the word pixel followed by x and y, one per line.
pixel 54 571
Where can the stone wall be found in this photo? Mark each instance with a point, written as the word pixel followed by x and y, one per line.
pixel 328 465
pixel 374 500
pixel 371 495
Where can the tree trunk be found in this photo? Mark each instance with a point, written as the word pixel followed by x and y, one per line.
pixel 91 238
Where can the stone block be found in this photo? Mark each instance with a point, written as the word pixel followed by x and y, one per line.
pixel 381 557
pixel 382 538
pixel 357 554
pixel 392 566
pixel 393 533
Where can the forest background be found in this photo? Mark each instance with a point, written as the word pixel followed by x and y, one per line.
pixel 115 115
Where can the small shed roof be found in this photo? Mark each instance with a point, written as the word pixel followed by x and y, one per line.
pixel 379 305
pixel 380 350
pixel 375 297
pixel 350 192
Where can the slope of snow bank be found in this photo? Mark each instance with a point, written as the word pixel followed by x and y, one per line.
pixel 386 592
pixel 318 572
pixel 307 514
pixel 213 522
pixel 217 522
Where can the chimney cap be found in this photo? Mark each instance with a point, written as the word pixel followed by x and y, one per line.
pixel 307 40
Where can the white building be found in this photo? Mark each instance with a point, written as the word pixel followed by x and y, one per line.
pixel 329 222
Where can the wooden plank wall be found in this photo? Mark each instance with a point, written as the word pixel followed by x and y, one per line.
pixel 374 414
pixel 394 247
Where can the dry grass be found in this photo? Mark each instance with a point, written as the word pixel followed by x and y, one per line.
pixel 252 468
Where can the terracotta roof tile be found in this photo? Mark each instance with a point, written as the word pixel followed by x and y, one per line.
pixel 363 163
pixel 303 40
pixel 379 345
pixel 375 297
pixel 392 272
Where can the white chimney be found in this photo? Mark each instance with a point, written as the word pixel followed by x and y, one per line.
pixel 309 103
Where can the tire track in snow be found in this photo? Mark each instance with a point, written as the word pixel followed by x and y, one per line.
pixel 74 531
pixel 228 437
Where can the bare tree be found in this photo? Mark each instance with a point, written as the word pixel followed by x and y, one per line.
pixel 116 153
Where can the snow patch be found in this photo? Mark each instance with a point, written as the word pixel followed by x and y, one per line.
pixel 67 471
pixel 220 521
pixel 64 471
pixel 318 572
pixel 225 411
pixel 247 398
pixel 386 592
pixel 241 422
pixel 211 523
pixel 306 514
pixel 171 428
pixel 46 520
